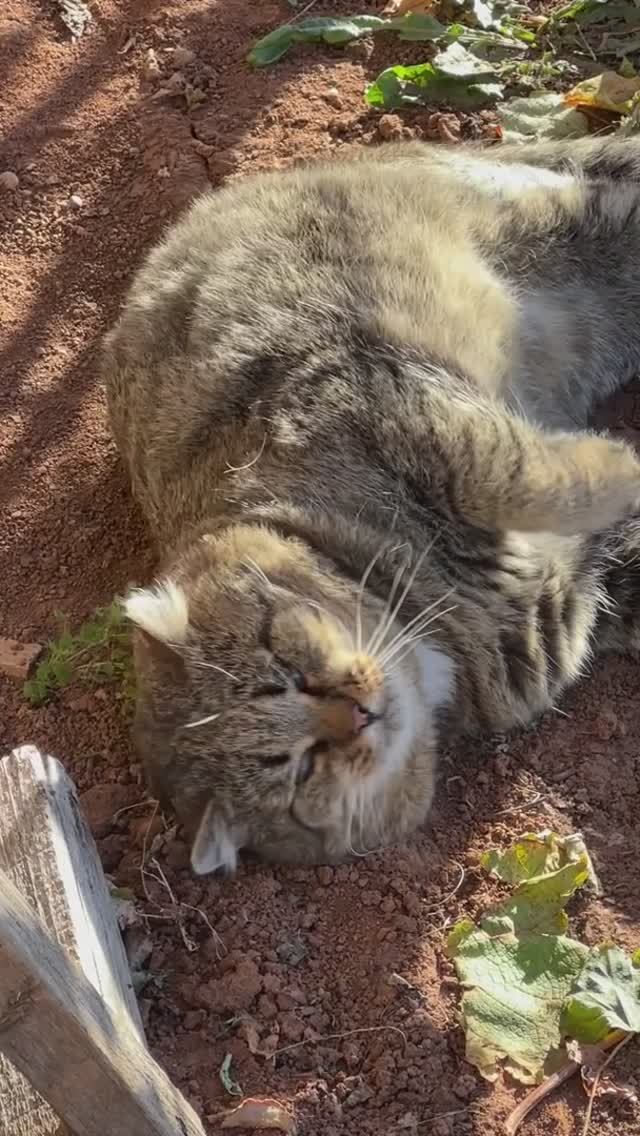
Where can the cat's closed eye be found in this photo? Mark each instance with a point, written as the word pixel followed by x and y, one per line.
pixel 274 759
pixel 293 673
pixel 271 689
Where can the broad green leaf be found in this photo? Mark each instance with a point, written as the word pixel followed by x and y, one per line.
pixel 518 965
pixel 606 997
pixel 484 13
pixel 419 26
pixel 459 63
pixel 516 987
pixel 340 30
pixel 455 77
pixel 535 854
pixel 538 904
pixel 540 116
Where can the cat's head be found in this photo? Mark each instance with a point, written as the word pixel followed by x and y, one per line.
pixel 277 711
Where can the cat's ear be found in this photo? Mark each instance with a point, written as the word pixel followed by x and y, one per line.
pixel 511 475
pixel 161 611
pixel 215 844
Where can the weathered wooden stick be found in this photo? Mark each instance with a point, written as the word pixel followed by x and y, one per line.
pixel 89 1064
pixel 48 853
pixel 47 849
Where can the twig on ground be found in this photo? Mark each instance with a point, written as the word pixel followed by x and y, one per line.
pixel 540 1092
pixel 138 805
pixel 596 1080
pixel 535 800
pixel 446 1115
pixel 177 906
pixel 443 902
pixel 338 1037
pixel 302 12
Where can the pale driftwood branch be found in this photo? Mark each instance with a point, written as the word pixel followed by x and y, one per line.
pixel 86 1062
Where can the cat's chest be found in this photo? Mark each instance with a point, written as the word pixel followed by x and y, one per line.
pixel 436 676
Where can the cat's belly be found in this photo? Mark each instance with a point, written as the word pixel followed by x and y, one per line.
pixel 506 180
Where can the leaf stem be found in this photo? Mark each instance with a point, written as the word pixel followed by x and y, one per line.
pixel 538 1094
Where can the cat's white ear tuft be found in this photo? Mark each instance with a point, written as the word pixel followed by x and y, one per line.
pixel 215 845
pixel 162 611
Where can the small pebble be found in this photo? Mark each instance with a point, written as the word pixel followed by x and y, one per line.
pixel 390 126
pixel 18 659
pixel 9 180
pixel 151 69
pixel 76 201
pixel 334 98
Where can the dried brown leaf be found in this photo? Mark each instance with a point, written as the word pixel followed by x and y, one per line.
pixel 260 1113
pixel 591 1059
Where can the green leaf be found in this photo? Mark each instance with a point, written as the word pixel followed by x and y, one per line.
pixel 518 965
pixel 538 904
pixel 534 854
pixel 478 40
pixel 548 869
pixel 417 26
pixel 459 63
pixel 541 116
pixel 606 997
pixel 340 30
pixel 516 987
pixel 578 9
pixel 484 13
pixel 231 1086
pixel 455 77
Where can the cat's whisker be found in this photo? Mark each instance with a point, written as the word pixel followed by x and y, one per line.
pixel 417 623
pixel 416 636
pixel 213 667
pixel 406 590
pixel 200 721
pixel 257 571
pixel 417 619
pixel 363 583
pixel 356 812
pixel 381 628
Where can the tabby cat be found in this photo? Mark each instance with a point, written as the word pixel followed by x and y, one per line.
pixel 352 398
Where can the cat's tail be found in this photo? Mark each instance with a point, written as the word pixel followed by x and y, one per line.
pixel 610 158
pixel 501 472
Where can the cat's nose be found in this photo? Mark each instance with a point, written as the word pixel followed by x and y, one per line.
pixel 342 718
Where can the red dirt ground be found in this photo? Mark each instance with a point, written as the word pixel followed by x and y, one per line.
pixel 306 954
